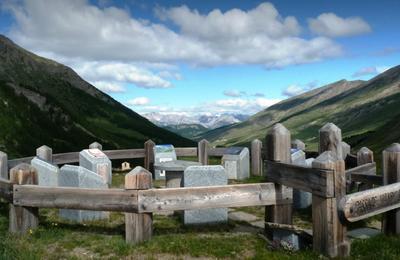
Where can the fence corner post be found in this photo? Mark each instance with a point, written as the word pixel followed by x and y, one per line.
pixel 391 174
pixel 202 151
pixel 96 145
pixel 3 165
pixel 23 219
pixel 149 155
pixel 256 160
pixel 138 226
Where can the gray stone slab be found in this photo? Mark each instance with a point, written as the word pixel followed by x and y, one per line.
pixel 196 176
pixel 363 233
pixel 47 173
pixel 163 153
pixel 237 166
pixel 77 176
pixel 96 161
pixel 301 199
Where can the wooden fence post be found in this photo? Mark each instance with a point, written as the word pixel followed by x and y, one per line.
pixel 329 234
pixel 23 219
pixel 346 149
pixel 364 156
pixel 96 145
pixel 3 165
pixel 202 151
pixel 138 227
pixel 277 143
pixel 256 160
pixel 45 153
pixel 298 144
pixel 149 155
pixel 330 139
pixel 391 174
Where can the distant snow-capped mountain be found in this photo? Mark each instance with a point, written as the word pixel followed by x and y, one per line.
pixel 208 120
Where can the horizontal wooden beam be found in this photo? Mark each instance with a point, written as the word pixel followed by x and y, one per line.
pixel 6 190
pixel 125 154
pixel 241 195
pixel 368 203
pixel 63 158
pixel 365 169
pixel 217 151
pixel 317 181
pixel 75 198
pixel 186 151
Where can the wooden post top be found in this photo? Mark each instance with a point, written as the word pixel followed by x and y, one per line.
pixel 149 142
pixel 45 153
pixel 96 145
pixel 256 141
pixel 393 148
pixel 23 174
pixel 279 129
pixel 138 179
pixel 204 141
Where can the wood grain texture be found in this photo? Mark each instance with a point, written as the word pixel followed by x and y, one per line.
pixel 365 169
pixel 23 219
pixel 6 190
pixel 203 147
pixel 330 139
pixel 256 159
pixel 3 165
pixel 240 195
pixel 186 151
pixel 149 155
pixel 219 151
pixel 316 181
pixel 138 226
pixel 45 153
pixel 391 174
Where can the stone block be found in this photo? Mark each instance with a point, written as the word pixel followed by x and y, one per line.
pixel 96 161
pixel 163 153
pixel 47 173
pixel 236 162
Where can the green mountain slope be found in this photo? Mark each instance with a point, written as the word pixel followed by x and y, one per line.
pixel 44 102
pixel 190 131
pixel 368 112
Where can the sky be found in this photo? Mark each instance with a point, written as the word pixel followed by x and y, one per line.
pixel 194 57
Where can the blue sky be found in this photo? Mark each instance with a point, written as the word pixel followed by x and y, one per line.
pixel 209 56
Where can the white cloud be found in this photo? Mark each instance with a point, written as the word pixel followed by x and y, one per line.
pixel 232 93
pixel 139 101
pixel 238 105
pixel 257 36
pixel 295 89
pixel 108 87
pixel 372 70
pixel 331 25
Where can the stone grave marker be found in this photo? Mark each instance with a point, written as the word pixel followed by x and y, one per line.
pixel 301 199
pixel 77 176
pixel 125 166
pixel 196 176
pixel 236 162
pixel 96 161
pixel 163 153
pixel 47 173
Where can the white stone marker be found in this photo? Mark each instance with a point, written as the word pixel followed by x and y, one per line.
pixel 47 173
pixel 236 162
pixel 196 176
pixel 96 161
pixel 163 153
pixel 77 176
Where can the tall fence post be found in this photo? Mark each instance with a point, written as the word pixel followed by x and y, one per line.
pixel 364 156
pixel 96 145
pixel 391 174
pixel 138 227
pixel 45 153
pixel 23 219
pixel 149 155
pixel 202 151
pixel 3 165
pixel 330 139
pixel 256 160
pixel 277 149
pixel 329 234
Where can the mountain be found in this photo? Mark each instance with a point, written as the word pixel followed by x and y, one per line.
pixel 190 131
pixel 368 112
pixel 44 102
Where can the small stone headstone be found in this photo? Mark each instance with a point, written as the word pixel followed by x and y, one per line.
pixel 236 162
pixel 96 161
pixel 163 153
pixel 301 199
pixel 77 176
pixel 125 166
pixel 196 176
pixel 47 173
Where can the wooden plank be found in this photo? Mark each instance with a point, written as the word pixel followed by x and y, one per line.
pixel 63 158
pixel 125 154
pixel 219 151
pixel 202 149
pixel 75 198
pixel 368 203
pixel 3 165
pixel 367 179
pixel 26 218
pixel 316 181
pixel 138 227
pixel 365 169
pixel 240 195
pixel 6 190
pixel 149 155
pixel 256 160
pixel 330 139
pixel 186 151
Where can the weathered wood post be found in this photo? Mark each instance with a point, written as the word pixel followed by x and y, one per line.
pixel 298 144
pixel 96 145
pixel 149 155
pixel 256 160
pixel 391 174
pixel 202 151
pixel 45 153
pixel 346 149
pixel 329 234
pixel 277 143
pixel 23 219
pixel 364 156
pixel 330 139
pixel 3 165
pixel 138 227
